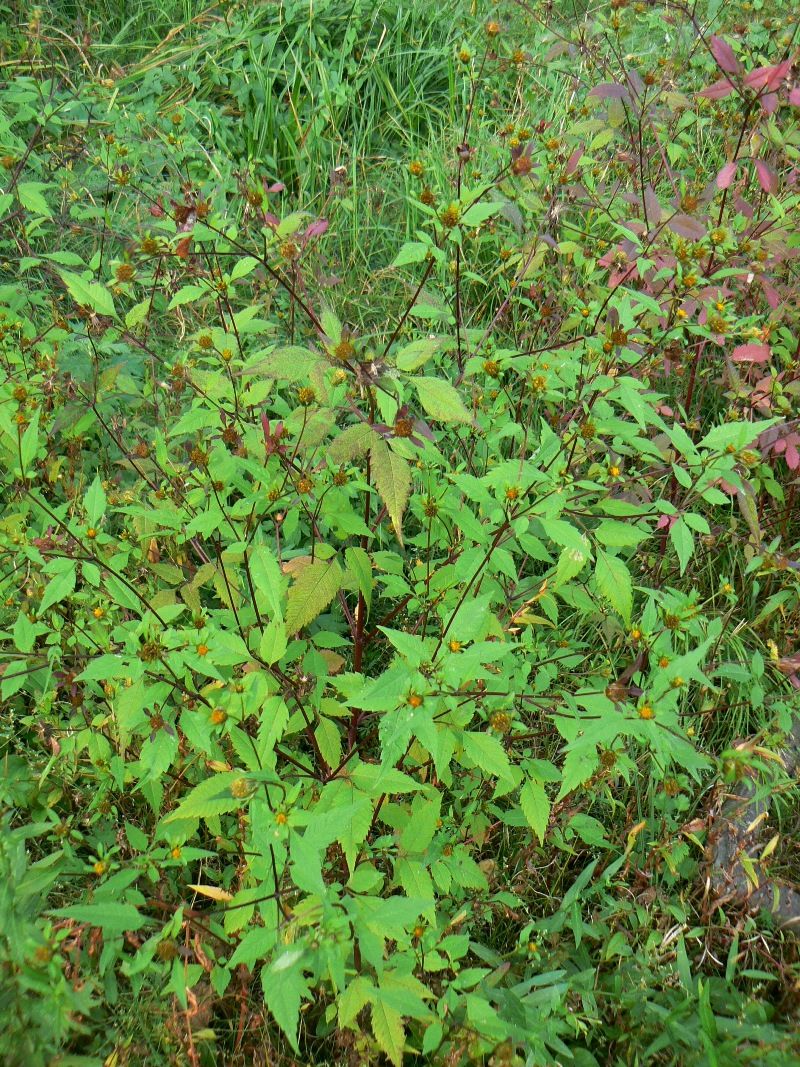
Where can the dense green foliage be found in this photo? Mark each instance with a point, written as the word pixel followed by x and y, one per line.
pixel 400 430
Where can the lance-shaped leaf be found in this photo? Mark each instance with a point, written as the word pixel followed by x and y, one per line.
pixel 614 583
pixel 216 795
pixel 88 294
pixel 392 476
pixel 315 587
pixel 387 1026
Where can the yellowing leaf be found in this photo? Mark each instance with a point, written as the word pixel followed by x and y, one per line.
pixel 392 476
pixel 387 1026
pixel 212 891
pixel 315 587
pixel 441 400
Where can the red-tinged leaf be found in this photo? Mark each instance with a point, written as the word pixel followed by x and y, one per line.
pixel 770 292
pixel 792 456
pixel 727 174
pixel 768 78
pixel 316 229
pixel 769 103
pixel 720 89
pixel 573 161
pixel 751 353
pixel 767 178
pixel 686 226
pixel 654 211
pixel 794 97
pixel 724 55
pixel 183 246
pixel 610 91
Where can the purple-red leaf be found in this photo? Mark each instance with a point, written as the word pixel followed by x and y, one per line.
pixel 794 97
pixel 751 353
pixel 767 178
pixel 653 206
pixel 610 91
pixel 768 78
pixel 727 174
pixel 720 89
pixel 317 228
pixel 686 226
pixel 725 56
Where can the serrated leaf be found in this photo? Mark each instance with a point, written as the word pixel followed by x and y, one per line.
pixel 290 362
pixel 214 796
pixel 410 252
pixel 59 587
pixel 392 476
pixel 111 917
pixel 359 993
pixel 414 354
pixel 486 752
pixel 88 293
pixel 620 534
pixel 441 400
pixel 614 583
pixel 535 807
pixel 313 589
pixel 329 741
pixel 30 196
pixel 360 566
pixel 682 539
pixel 387 1026
pixel 284 986
pixel 571 562
pixel 352 443
pixel 734 434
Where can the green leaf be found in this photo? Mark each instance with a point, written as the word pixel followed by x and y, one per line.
pixel 110 917
pixel 410 252
pixel 360 566
pixel 413 355
pixel 214 796
pixel 441 400
pixel 290 363
pixel 268 579
pixel 94 503
pixel 30 196
pixel 735 434
pixel 60 586
pixel 392 476
pixel 535 807
pixel 187 295
pixel 329 741
pixel 387 1026
pixel 421 826
pixel 620 534
pixel 683 542
pixel 284 986
pixel 88 293
pixel 273 642
pixel 479 213
pixel 359 993
pixel 486 752
pixel 571 562
pixel 352 443
pixel 29 445
pixel 313 589
pixel 614 583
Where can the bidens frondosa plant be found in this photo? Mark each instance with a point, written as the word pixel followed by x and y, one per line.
pixel 376 632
